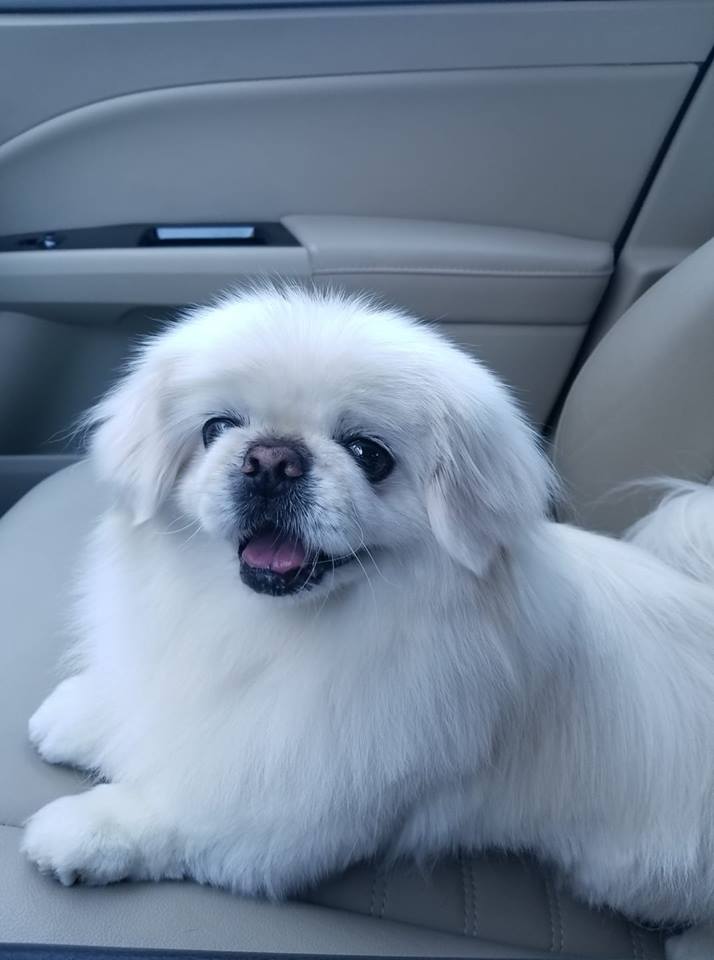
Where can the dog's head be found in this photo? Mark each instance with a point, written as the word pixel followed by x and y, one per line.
pixel 312 430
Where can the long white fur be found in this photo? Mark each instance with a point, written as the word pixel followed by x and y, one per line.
pixel 681 530
pixel 484 677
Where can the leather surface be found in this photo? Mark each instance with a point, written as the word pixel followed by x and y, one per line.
pixel 186 916
pixel 490 906
pixel 677 215
pixel 459 271
pixel 641 406
pixel 508 147
pixel 171 48
pixel 104 284
pixel 381 244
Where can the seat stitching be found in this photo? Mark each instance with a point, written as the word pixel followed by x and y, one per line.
pixel 466 895
pixel 560 917
pixel 553 912
pixel 637 945
pixel 474 901
pixel 639 951
pixel 383 904
pixel 373 897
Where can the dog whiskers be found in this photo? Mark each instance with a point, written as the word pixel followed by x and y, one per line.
pixel 319 610
pixel 195 533
pixel 376 566
pixel 371 585
pixel 172 531
pixel 363 546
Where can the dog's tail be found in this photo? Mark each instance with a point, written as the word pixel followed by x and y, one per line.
pixel 680 530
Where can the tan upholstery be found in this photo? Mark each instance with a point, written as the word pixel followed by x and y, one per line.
pixel 642 404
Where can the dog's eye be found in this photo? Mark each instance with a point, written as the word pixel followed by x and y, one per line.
pixel 373 458
pixel 213 428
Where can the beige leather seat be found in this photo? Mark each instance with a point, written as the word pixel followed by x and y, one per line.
pixel 641 405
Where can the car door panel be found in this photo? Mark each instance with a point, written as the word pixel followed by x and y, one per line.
pixel 465 160
pixel 431 152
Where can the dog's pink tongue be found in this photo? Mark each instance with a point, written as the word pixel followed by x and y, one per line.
pixel 268 551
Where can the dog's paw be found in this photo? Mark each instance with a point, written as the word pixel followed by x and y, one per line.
pixel 63 729
pixel 81 838
pixel 694 944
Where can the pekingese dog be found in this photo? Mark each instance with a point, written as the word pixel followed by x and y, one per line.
pixel 329 618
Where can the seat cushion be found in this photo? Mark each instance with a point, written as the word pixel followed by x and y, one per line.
pixel 490 906
pixel 641 405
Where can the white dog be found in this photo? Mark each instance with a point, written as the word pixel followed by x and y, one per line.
pixel 328 618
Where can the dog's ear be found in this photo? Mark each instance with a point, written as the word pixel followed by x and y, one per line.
pixel 490 481
pixel 134 443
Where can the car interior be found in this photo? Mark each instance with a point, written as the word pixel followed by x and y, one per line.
pixel 533 177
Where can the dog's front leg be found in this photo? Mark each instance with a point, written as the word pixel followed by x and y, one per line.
pixel 115 832
pixel 69 725
pixel 107 834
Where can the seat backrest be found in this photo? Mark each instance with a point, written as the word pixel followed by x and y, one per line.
pixel 642 405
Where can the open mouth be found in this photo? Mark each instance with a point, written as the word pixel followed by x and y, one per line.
pixel 278 564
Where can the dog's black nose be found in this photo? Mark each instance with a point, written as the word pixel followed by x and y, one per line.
pixel 272 467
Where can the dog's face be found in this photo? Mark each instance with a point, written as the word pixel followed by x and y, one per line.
pixel 314 433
